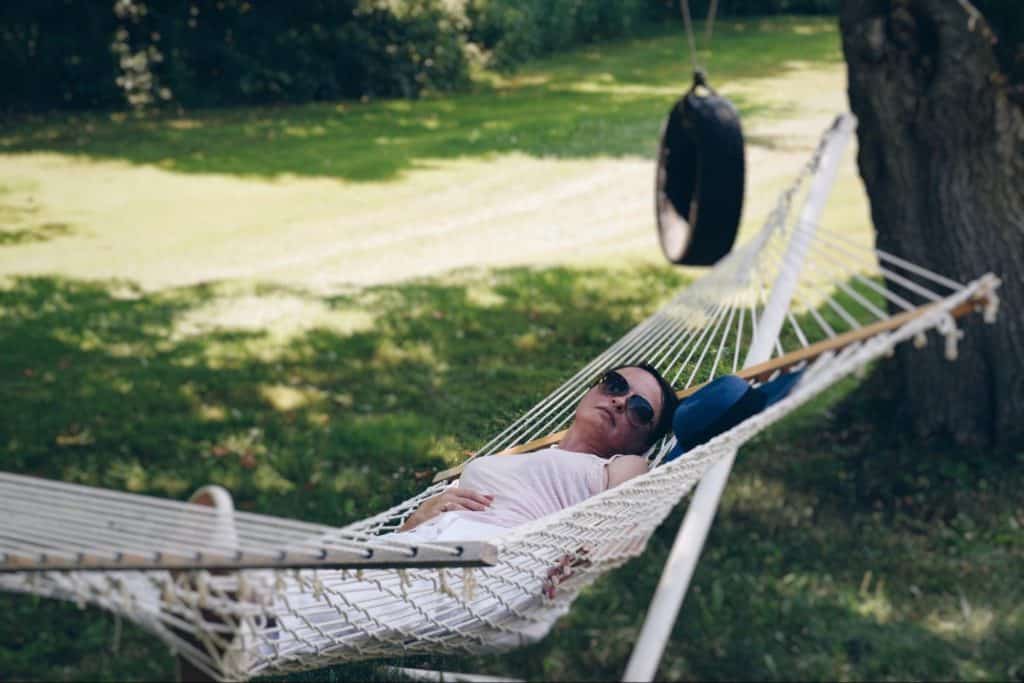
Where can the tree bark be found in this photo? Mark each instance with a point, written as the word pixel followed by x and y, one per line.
pixel 941 153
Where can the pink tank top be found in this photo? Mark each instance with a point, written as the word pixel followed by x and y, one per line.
pixel 532 485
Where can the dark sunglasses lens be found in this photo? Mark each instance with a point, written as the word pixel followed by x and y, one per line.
pixel 640 409
pixel 614 384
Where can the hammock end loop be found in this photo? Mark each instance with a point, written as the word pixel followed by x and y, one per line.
pixel 991 309
pixel 947 327
pixel 443 583
pixel 989 285
pixel 318 587
pixel 203 589
pixel 468 584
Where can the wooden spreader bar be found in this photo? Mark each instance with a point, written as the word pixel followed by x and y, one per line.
pixel 465 554
pixel 763 371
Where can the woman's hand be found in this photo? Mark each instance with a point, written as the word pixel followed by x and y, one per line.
pixel 452 499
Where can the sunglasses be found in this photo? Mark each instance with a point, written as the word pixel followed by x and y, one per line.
pixel 639 411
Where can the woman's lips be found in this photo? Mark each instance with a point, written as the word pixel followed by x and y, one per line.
pixel 608 413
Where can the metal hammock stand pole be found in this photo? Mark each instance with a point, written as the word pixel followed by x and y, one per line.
pixel 682 560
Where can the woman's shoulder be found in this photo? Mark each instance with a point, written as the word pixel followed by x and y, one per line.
pixel 622 468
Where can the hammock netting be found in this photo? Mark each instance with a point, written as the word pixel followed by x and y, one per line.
pixel 236 623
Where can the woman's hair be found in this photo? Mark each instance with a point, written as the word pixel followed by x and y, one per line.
pixel 668 400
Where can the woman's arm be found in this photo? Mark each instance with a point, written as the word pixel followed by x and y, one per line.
pixel 452 499
pixel 624 468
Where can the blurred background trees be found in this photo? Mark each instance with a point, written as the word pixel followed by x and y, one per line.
pixel 68 54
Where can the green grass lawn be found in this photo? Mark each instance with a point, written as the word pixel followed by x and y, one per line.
pixel 319 306
pixel 600 101
pixel 551 166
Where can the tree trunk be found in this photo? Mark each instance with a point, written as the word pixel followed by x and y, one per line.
pixel 941 152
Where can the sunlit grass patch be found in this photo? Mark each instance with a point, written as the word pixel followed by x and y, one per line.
pixel 527 169
pixel 280 315
pixel 545 105
pixel 286 398
pixel 962 621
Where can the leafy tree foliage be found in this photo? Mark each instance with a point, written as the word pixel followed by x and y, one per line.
pixel 68 54
pixel 56 54
pixel 62 54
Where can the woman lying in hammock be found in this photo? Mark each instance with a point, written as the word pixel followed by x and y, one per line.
pixel 619 418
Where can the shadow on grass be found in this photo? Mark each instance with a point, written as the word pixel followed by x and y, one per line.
pixel 39 233
pixel 598 101
pixel 16 228
pixel 104 385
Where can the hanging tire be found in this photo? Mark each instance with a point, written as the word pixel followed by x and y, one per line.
pixel 700 179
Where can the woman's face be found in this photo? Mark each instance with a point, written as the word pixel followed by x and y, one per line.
pixel 610 423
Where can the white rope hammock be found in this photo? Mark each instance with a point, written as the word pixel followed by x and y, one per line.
pixel 290 595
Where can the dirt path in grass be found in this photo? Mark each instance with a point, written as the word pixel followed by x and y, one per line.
pixel 84 218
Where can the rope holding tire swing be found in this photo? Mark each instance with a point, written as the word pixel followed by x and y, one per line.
pixel 701 168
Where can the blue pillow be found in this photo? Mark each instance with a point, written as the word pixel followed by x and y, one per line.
pixel 779 388
pixel 721 405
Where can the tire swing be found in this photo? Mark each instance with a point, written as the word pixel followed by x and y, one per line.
pixel 698 192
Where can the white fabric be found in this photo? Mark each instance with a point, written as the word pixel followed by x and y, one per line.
pixel 529 486
pixel 526 487
pixel 362 615
pixel 449 526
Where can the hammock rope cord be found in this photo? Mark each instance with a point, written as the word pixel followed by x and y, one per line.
pixel 384 596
